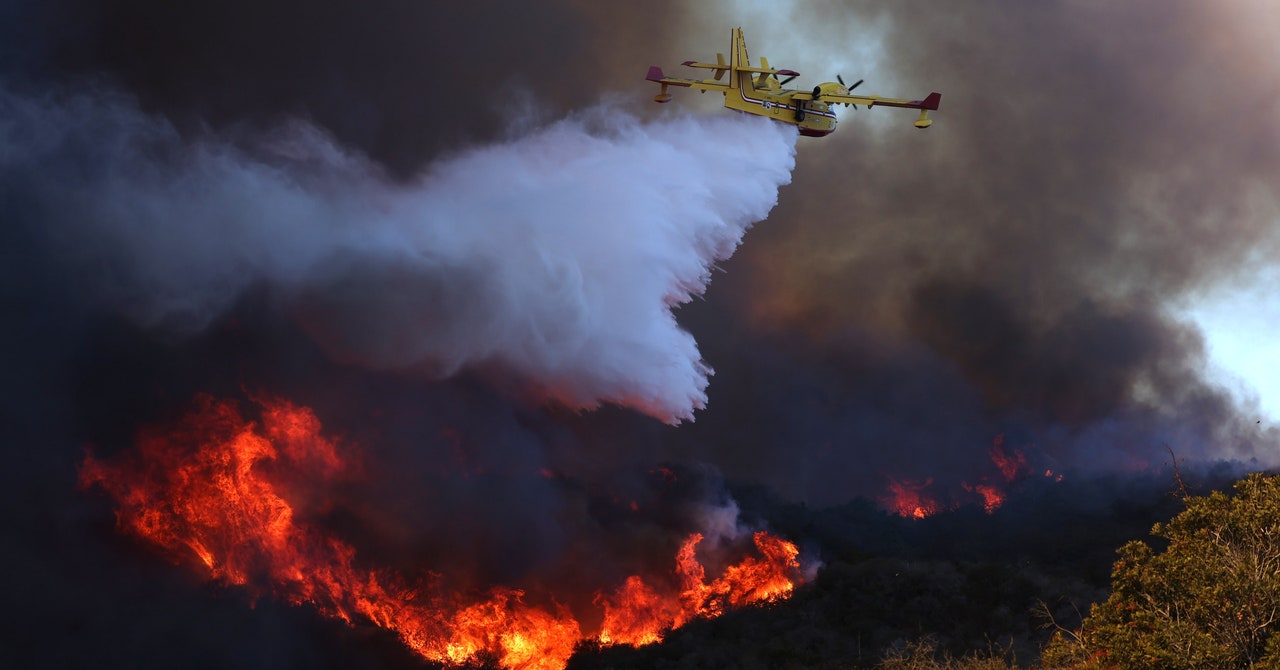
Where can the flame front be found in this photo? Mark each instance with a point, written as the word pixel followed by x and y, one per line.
pixel 637 614
pixel 215 491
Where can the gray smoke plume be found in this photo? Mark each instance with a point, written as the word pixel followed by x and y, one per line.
pixel 558 256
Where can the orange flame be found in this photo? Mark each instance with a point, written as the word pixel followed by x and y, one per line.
pixel 1010 465
pixel 992 496
pixel 637 614
pixel 214 489
pixel 907 499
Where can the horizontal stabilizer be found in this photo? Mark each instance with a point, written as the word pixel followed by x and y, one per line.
pixel 724 66
pixel 705 66
pixel 720 68
pixel 765 70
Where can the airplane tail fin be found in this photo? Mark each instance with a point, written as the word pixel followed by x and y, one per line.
pixel 740 59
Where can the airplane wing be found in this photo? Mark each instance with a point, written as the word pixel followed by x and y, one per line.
pixel 930 102
pixel 656 75
pixel 720 66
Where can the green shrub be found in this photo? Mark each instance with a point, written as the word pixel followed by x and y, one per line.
pixel 1211 599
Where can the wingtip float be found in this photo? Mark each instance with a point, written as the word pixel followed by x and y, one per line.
pixel 758 90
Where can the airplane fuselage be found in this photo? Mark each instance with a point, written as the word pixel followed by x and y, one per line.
pixel 815 119
pixel 762 95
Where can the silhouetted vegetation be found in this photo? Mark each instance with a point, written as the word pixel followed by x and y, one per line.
pixel 960 590
pixel 923 655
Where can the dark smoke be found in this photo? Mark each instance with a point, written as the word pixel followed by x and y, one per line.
pixel 401 80
pixel 1013 270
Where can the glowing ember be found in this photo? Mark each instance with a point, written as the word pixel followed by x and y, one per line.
pixel 215 491
pixel 907 499
pixel 664 472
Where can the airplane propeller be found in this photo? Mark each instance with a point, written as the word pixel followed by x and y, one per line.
pixel 849 88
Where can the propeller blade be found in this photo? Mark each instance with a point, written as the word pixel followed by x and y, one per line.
pixel 850 88
pixel 784 81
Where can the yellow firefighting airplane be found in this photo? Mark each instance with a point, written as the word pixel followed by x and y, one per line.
pixel 756 90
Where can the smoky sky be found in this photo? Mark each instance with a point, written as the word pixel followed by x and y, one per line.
pixel 915 293
pixel 912 296
pixel 401 80
pixel 1010 270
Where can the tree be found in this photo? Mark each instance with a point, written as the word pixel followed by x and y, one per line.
pixel 1211 599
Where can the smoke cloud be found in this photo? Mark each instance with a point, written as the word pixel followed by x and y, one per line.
pixel 558 256
pixel 1016 269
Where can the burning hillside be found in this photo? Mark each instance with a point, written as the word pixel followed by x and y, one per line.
pixel 242 501
pixel 920 499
